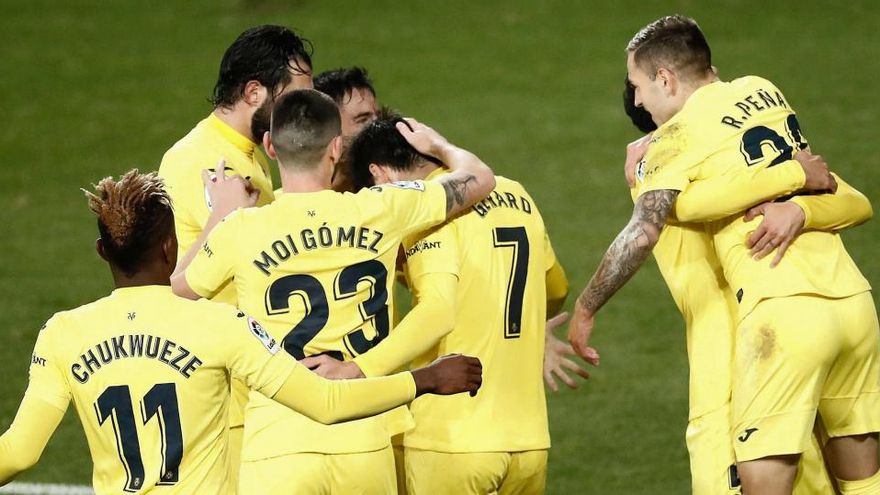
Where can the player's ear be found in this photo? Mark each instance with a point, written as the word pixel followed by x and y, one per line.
pixel 378 173
pixel 254 93
pixel 667 78
pixel 169 250
pixel 99 247
pixel 335 148
pixel 267 145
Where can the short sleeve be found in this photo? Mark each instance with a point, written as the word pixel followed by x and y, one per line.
pixel 214 262
pixel 434 252
pixel 670 161
pixel 413 206
pixel 253 354
pixel 47 380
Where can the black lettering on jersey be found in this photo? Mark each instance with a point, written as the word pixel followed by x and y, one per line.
pixel 503 199
pixel 152 351
pixel 325 237
pixel 78 374
pixel 511 200
pixel 118 347
pixel 136 345
pixel 481 208
pixel 207 250
pixel 191 366
pixel 378 238
pixel 745 109
pixel 265 263
pixel 38 360
pixel 732 122
pixel 362 238
pixel 166 351
pixel 104 352
pixel 767 99
pixel 751 101
pixel 526 206
pixel 308 239
pixel 281 250
pixel 163 350
pixel 344 235
pixel 183 353
pixel 781 100
pixel 90 361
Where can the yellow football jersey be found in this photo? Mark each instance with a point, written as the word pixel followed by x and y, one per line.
pixel 317 269
pixel 500 253
pixel 181 168
pixel 148 373
pixel 723 127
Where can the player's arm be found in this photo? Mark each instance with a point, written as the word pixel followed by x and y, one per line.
pixel 334 401
pixel 227 195
pixel 784 221
pixel 847 207
pixel 45 401
pixel 471 180
pixel 23 443
pixel 623 258
pixel 725 195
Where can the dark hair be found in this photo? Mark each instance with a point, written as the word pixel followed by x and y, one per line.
pixel 640 117
pixel 381 143
pixel 337 83
pixel 673 41
pixel 134 217
pixel 264 54
pixel 304 122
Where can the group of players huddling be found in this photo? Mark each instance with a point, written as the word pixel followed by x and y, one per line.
pixel 248 346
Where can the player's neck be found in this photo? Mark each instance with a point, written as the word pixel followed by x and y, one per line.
pixel 141 278
pixel 238 118
pixel 305 181
pixel 691 87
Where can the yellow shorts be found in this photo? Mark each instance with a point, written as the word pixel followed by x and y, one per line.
pixel 798 355
pixel 713 470
pixel 476 473
pixel 366 473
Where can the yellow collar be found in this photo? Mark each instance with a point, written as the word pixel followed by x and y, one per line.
pixel 237 139
pixel 437 173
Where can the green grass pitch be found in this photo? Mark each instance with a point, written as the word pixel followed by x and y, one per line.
pixel 90 89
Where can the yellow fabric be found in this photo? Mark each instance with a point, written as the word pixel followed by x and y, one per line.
pixel 869 486
pixel 557 288
pixel 163 348
pixel 23 443
pixel 181 168
pixel 697 143
pixel 509 413
pixel 399 463
pixel 420 330
pixel 718 197
pixel 799 353
pixel 330 258
pixel 847 207
pixel 710 446
pixel 363 473
pixel 476 473
pixel 236 436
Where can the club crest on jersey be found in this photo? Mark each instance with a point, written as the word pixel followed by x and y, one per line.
pixel 268 342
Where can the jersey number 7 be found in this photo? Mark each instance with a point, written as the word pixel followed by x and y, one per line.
pixel 515 239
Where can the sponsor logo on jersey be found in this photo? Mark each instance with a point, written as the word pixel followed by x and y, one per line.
pixel 640 170
pixel 422 245
pixel 38 360
pixel 268 342
pixel 416 185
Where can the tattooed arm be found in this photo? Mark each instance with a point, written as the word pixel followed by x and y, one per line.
pixel 621 261
pixel 471 180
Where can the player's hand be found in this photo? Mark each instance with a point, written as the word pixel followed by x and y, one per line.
pixel 580 328
pixel 556 361
pixel 449 375
pixel 331 368
pixel 424 139
pixel 817 177
pixel 635 151
pixel 226 194
pixel 782 223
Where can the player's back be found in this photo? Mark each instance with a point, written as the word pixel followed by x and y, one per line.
pixel 148 375
pixel 502 256
pixel 317 268
pixel 740 123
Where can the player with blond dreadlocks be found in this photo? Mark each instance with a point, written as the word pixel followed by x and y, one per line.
pixel 148 372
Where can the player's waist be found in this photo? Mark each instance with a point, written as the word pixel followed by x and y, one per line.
pixel 273 430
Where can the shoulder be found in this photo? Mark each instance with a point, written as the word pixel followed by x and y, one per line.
pixel 191 152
